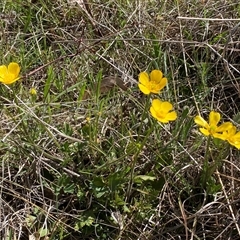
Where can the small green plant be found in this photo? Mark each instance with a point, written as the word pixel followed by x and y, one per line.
pixel 82 157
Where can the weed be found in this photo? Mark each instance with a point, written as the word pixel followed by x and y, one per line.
pixel 85 154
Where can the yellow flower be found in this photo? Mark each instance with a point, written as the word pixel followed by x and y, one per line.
pixel 9 74
pixel 152 83
pixel 33 91
pixel 211 128
pixel 162 111
pixel 232 136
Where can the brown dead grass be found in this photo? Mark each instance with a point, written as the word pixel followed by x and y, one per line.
pixel 123 38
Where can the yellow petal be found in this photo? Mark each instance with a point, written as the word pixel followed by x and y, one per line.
pixel 237 145
pixel 220 136
pixel 163 83
pixel 227 126
pixel 3 71
pixel 214 118
pixel 157 104
pixel 232 142
pixel 143 78
pixel 237 136
pixel 163 120
pixel 156 76
pixel 201 122
pixel 204 131
pixel 234 139
pixel 153 112
pixel 159 118
pixel 156 115
pixel 232 131
pixel 13 68
pixel 144 89
pixel 155 90
pixel 171 116
pixel 166 107
pixel 8 79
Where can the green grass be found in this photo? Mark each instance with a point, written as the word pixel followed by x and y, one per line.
pixel 101 167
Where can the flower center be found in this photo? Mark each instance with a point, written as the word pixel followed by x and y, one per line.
pixel 161 114
pixel 153 85
pixel 212 129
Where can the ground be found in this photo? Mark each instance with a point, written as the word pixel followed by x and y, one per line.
pixel 81 155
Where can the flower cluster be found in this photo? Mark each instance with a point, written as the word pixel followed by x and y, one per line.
pixel 225 131
pixel 154 83
pixel 9 74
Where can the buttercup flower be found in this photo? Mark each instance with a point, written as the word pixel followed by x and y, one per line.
pixel 152 83
pixel 162 111
pixel 33 91
pixel 211 128
pixel 9 74
pixel 232 136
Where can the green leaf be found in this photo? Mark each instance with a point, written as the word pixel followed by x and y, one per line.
pixel 43 232
pixel 236 118
pixel 144 178
pixel 98 182
pixel 115 180
pixel 69 188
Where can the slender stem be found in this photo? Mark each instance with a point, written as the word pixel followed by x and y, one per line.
pixel 145 111
pixel 135 158
pixel 205 171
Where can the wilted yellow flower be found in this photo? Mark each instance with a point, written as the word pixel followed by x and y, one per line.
pixel 162 111
pixel 211 128
pixel 9 74
pixel 232 136
pixel 33 91
pixel 152 83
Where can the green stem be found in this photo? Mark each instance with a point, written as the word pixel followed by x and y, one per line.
pixel 135 158
pixel 210 168
pixel 205 171
pixel 145 111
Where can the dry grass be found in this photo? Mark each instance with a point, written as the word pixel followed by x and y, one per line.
pixel 69 166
